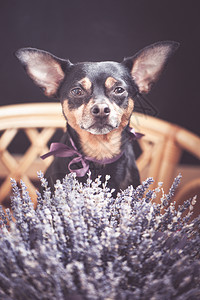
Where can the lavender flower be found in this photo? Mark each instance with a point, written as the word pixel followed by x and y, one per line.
pixel 81 243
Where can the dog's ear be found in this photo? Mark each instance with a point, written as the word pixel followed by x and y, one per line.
pixel 45 69
pixel 147 65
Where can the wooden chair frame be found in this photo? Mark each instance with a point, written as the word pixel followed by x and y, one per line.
pixel 161 146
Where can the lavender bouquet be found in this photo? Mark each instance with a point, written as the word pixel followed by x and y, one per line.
pixel 81 243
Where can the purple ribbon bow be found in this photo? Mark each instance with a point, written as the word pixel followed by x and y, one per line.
pixel 62 150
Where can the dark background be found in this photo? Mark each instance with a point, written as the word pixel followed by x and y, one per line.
pixel 95 30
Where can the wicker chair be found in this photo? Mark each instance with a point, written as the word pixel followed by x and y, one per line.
pixel 161 146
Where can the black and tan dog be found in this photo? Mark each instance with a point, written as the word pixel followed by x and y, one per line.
pixel 97 100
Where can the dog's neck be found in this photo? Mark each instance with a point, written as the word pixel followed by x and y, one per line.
pixel 97 146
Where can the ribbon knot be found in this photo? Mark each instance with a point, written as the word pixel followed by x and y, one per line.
pixel 62 150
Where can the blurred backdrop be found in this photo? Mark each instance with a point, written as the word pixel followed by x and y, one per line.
pixel 95 30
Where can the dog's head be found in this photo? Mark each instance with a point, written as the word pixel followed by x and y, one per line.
pixel 97 97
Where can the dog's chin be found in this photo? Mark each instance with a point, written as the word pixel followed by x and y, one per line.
pixel 105 129
pixel 99 130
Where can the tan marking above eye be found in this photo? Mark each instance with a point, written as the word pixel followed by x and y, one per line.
pixel 86 83
pixel 110 82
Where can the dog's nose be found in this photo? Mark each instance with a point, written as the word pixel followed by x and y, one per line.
pixel 100 110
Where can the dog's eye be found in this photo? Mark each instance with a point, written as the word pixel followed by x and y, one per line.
pixel 77 92
pixel 119 90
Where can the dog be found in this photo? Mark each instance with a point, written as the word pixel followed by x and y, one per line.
pixel 97 101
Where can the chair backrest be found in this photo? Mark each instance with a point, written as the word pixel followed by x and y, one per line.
pixel 161 146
